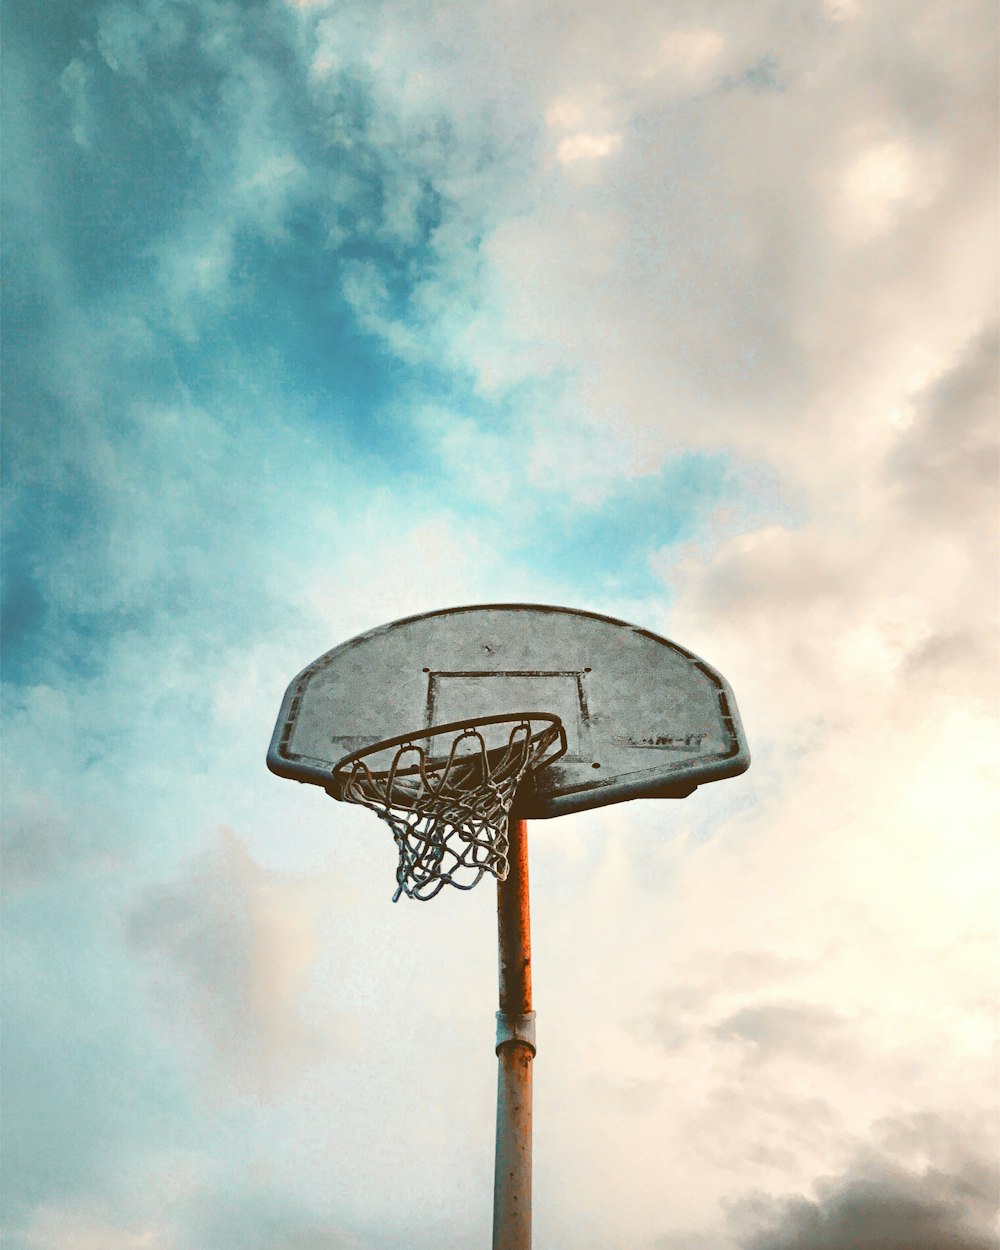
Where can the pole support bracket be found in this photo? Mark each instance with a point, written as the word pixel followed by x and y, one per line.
pixel 512 1028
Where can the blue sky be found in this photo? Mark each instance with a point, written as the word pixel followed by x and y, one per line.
pixel 320 315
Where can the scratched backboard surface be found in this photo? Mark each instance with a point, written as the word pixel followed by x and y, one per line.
pixel 644 717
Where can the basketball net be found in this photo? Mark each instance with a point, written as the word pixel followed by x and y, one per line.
pixel 449 814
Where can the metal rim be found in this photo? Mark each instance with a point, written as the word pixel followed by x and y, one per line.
pixel 454 727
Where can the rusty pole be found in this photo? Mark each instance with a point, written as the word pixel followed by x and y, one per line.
pixel 515 1052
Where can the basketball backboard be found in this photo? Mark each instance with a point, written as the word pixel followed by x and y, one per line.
pixel 643 717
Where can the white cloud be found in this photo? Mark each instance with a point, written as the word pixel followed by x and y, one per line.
pixel 586 147
pixel 724 290
pixel 843 10
pixel 73 81
pixel 128 36
pixel 79 1228
pixel 691 53
pixel 584 123
pixel 367 294
pixel 881 182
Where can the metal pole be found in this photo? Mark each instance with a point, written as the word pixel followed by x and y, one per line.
pixel 515 1052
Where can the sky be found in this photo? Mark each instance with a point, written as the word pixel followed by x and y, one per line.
pixel 322 314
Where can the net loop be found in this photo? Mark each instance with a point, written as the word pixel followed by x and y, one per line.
pixel 449 812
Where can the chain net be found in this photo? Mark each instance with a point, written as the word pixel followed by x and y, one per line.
pixel 449 814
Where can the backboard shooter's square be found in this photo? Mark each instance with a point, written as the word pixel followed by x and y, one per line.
pixel 455 696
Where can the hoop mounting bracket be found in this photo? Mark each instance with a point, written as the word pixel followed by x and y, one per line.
pixel 512 1028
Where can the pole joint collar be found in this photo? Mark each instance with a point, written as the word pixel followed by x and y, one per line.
pixel 511 1028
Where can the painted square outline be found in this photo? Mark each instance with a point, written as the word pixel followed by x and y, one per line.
pixel 576 675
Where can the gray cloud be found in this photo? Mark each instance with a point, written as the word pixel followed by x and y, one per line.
pixel 800 1030
pixel 232 946
pixel 40 843
pixel 687 1007
pixel 877 1207
pixel 946 464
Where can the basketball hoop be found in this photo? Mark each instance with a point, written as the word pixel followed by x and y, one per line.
pixel 630 715
pixel 449 812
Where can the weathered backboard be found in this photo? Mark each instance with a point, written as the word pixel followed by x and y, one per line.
pixel 644 718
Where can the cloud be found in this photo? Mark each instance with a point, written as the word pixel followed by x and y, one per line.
pixel 234 946
pixel 689 52
pixel 878 1205
pixel 39 842
pixel 315 329
pixel 586 147
pixel 73 82
pixel 772 1029
pixel 889 600
pixel 879 185
pixel 689 303
pixel 188 1218
pixel 945 465
pixel 61 1228
pixel 82 1059
pixel 256 1218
